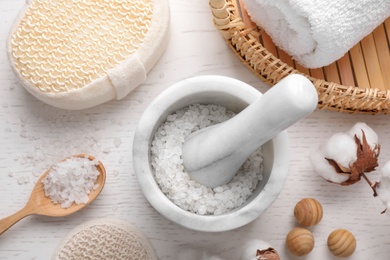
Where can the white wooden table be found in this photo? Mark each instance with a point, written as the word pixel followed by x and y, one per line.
pixel 30 129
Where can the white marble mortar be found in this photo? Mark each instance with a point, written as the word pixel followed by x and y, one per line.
pixel 234 95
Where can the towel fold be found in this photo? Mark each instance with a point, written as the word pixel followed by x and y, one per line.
pixel 317 32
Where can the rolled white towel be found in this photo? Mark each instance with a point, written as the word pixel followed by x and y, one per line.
pixel 317 32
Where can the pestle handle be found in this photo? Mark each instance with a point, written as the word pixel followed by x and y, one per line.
pixel 213 155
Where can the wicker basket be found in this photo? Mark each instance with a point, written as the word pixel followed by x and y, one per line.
pixel 359 82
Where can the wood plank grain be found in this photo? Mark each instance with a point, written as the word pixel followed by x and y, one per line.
pixel 345 71
pixel 382 47
pixel 359 67
pixel 269 44
pixel 283 56
pixel 332 73
pixel 301 68
pixel 372 62
pixel 317 73
pixel 245 16
pixel 387 27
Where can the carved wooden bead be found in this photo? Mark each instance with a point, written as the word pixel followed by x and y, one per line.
pixel 308 212
pixel 341 243
pixel 300 241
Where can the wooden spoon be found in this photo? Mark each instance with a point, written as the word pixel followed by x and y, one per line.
pixel 39 204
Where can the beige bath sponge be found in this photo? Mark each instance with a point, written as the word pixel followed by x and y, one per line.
pixel 105 239
pixel 78 54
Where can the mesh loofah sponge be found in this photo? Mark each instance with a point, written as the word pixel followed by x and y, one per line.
pixel 78 54
pixel 105 239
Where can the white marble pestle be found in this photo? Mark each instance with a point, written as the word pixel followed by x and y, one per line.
pixel 214 154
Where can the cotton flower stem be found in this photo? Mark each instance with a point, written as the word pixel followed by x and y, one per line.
pixel 372 185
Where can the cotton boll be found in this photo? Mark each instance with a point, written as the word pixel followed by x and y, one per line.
pixel 386 170
pixel 251 248
pixel 340 147
pixel 371 136
pixel 324 169
pixel 383 188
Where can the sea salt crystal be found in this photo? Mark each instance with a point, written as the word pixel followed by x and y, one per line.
pixel 23 134
pixel 26 180
pixel 23 118
pixel 20 180
pixel 71 180
pixel 56 145
pixel 115 172
pixel 23 160
pixel 174 181
pixel 117 142
pixel 106 150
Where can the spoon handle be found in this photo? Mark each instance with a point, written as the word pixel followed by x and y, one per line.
pixel 9 221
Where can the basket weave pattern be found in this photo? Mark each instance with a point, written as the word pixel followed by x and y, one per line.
pixel 111 240
pixel 245 40
pixel 62 45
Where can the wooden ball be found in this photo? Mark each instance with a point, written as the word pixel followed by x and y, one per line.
pixel 341 243
pixel 300 241
pixel 308 212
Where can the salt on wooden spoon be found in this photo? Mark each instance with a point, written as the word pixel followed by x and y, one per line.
pixel 40 204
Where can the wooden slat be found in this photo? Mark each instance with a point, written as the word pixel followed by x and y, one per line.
pixel 387 26
pixel 301 68
pixel 345 71
pixel 245 17
pixel 332 73
pixel 317 73
pixel 372 62
pixel 283 56
pixel 359 67
pixel 382 48
pixel 269 44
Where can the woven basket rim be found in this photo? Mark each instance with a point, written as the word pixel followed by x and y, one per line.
pixel 332 96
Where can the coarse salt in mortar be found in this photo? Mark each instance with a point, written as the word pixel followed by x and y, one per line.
pixel 71 181
pixel 175 182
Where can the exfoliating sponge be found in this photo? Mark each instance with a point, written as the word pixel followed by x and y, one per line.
pixel 78 54
pixel 106 238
